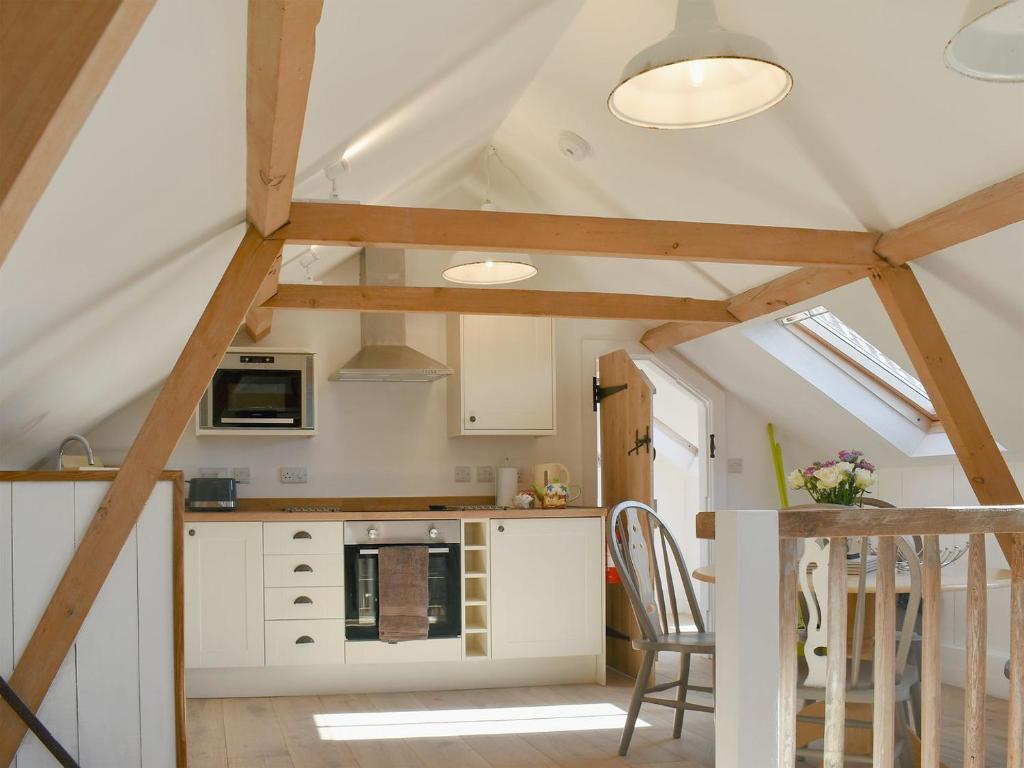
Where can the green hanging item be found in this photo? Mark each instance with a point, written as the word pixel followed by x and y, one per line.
pixel 780 472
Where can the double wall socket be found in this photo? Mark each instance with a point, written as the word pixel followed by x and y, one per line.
pixel 485 474
pixel 292 475
pixel 463 474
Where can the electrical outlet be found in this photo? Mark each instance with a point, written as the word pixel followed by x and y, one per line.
pixel 734 466
pixel 241 475
pixel 485 474
pixel 214 472
pixel 463 474
pixel 293 474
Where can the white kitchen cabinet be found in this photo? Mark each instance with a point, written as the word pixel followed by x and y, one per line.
pixel 504 380
pixel 547 577
pixel 223 595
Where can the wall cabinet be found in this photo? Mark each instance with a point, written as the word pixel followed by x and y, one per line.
pixel 224 595
pixel 546 584
pixel 504 380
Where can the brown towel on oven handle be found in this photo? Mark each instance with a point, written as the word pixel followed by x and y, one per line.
pixel 402 571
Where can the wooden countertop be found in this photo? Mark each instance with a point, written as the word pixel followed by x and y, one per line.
pixel 410 514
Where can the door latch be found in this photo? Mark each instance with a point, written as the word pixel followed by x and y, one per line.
pixel 641 442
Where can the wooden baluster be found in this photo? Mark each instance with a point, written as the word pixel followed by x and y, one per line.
pixel 1015 729
pixel 885 655
pixel 835 675
pixel 976 655
pixel 788 638
pixel 931 671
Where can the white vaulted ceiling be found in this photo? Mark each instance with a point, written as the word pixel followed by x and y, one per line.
pixel 124 248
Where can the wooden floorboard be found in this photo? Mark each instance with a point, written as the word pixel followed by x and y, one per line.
pixel 282 732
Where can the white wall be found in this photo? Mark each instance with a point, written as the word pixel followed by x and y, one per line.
pixel 391 439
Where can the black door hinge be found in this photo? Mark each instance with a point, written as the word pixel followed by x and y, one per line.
pixel 600 393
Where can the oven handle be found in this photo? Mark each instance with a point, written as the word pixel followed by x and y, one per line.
pixel 430 550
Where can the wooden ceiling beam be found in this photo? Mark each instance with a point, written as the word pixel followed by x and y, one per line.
pixel 462 230
pixel 281 49
pixel 119 511
pixel 935 364
pixel 55 60
pixel 990 209
pixel 792 288
pixel 978 214
pixel 499 301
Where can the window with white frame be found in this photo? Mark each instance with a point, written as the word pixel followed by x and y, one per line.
pixel 832 337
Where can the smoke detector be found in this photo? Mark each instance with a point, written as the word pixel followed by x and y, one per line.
pixel 574 146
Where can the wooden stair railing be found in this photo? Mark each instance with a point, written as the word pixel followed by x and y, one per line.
pixel 838 525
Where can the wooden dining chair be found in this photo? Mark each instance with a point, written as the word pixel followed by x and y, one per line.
pixel 813 567
pixel 636 536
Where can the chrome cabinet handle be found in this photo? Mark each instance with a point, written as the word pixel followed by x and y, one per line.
pixel 303 568
pixel 305 640
pixel 302 600
pixel 302 535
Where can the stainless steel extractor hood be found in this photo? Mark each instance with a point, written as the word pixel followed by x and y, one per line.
pixel 384 355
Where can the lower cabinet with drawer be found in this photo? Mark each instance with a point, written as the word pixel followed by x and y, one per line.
pixel 302 641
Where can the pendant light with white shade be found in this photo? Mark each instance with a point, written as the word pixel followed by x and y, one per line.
pixel 485 267
pixel 700 75
pixel 991 47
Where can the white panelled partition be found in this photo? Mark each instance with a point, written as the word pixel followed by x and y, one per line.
pixel 747 634
pixel 113 702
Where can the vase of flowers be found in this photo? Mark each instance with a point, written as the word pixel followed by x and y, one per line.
pixel 843 480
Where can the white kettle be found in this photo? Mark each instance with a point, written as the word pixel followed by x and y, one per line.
pixel 546 473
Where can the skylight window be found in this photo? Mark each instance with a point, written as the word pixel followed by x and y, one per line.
pixel 825 329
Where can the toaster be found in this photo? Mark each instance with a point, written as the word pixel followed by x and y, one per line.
pixel 212 493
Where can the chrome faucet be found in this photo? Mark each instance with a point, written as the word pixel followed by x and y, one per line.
pixel 74 439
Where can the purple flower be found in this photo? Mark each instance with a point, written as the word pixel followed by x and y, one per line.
pixel 865 464
pixel 850 456
pixel 809 472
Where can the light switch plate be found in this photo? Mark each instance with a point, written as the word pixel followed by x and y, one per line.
pixel 214 472
pixel 734 466
pixel 293 475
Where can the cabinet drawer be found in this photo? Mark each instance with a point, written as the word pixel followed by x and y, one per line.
pixel 302 571
pixel 304 603
pixel 319 641
pixel 301 538
pixel 373 652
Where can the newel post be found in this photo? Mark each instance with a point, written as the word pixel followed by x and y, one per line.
pixel 746 558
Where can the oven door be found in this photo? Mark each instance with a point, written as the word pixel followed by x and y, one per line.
pixel 444 602
pixel 257 398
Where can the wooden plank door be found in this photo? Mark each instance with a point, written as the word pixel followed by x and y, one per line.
pixel 627 474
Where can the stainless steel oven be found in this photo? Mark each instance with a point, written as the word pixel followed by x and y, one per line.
pixel 257 389
pixel 363 542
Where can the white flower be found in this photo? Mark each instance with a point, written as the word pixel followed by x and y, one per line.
pixel 845 467
pixel 796 479
pixel 863 479
pixel 828 477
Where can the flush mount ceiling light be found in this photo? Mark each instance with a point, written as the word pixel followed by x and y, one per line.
pixel 992 46
pixel 698 76
pixel 485 268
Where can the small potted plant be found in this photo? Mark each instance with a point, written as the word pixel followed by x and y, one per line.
pixel 843 480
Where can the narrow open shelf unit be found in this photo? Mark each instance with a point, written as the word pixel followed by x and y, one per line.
pixel 476 610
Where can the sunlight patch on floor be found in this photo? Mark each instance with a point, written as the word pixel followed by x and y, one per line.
pixel 425 724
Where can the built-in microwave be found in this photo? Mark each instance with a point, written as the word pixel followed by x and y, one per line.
pixel 260 389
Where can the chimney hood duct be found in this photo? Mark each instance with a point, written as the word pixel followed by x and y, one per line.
pixel 384 355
